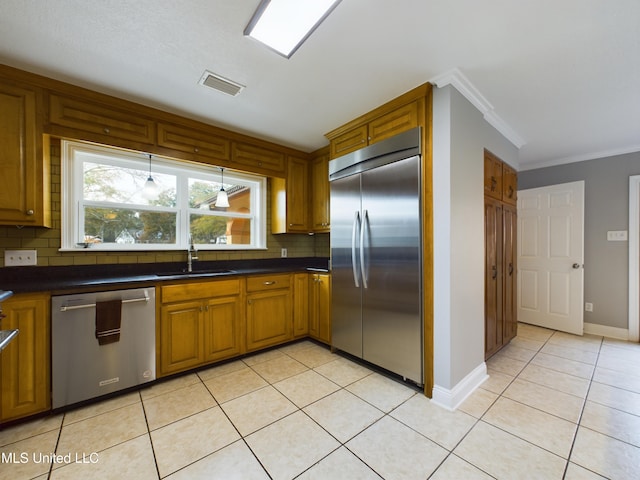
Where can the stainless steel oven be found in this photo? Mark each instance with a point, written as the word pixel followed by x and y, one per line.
pixel 102 342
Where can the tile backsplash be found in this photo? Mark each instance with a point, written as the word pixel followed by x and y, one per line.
pixel 47 240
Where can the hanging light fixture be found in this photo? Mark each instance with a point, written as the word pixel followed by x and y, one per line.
pixel 222 200
pixel 150 191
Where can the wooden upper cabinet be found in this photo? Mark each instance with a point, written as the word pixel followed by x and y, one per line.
pixel 500 180
pixel 320 191
pixel 290 199
pixel 98 122
pixel 492 176
pixel 409 110
pixel 349 141
pixel 200 144
pixel 397 121
pixel 24 162
pixel 258 159
pixel 298 194
pixel 509 185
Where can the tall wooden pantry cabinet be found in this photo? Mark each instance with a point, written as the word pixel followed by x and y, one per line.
pixel 500 225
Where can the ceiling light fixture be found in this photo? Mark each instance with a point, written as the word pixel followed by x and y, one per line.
pixel 283 25
pixel 150 191
pixel 222 200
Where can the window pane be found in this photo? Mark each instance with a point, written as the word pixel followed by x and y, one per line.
pixel 203 194
pixel 215 230
pixel 128 226
pixel 107 183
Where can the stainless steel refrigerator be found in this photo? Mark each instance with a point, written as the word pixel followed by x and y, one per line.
pixel 376 255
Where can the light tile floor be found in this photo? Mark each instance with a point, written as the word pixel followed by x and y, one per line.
pixel 555 406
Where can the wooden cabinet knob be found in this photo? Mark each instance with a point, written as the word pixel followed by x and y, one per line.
pixel 30 212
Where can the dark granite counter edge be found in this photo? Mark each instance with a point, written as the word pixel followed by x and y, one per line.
pixel 54 279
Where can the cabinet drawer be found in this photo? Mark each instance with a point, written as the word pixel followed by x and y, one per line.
pixel 268 282
pixel 188 291
pixel 100 120
pixel 258 159
pixel 193 141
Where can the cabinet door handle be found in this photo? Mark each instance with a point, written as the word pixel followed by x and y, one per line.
pixel 510 191
pixel 510 268
pixel 494 184
pixel 249 302
pixel 494 273
pixel 30 212
pixel 106 130
pixel 272 282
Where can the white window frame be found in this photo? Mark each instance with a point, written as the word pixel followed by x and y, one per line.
pixel 72 220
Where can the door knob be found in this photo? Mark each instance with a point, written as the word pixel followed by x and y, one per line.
pixel 576 265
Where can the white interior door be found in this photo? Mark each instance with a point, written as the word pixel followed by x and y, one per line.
pixel 551 256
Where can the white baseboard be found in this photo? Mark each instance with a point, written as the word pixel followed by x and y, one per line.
pixel 605 331
pixel 451 399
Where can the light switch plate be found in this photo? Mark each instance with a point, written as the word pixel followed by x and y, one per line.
pixel 617 235
pixel 20 258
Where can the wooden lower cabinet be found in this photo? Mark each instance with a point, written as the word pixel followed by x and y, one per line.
pixel 180 336
pixel 25 364
pixel 199 323
pixel 222 332
pixel 269 310
pixel 320 307
pixel 301 304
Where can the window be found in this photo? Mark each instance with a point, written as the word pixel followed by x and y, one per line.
pixel 105 208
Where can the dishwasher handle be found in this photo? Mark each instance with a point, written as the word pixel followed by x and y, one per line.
pixel 66 308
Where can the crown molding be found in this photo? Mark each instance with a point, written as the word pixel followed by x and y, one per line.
pixel 461 83
pixel 579 158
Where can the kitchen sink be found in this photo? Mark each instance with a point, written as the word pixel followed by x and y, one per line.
pixel 196 273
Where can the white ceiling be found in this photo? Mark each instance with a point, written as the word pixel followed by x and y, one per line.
pixel 562 75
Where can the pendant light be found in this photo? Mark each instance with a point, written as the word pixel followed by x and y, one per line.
pixel 222 200
pixel 150 190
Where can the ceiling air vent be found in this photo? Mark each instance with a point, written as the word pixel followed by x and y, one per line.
pixel 221 84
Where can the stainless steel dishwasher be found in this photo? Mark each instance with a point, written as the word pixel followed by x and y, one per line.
pixel 89 361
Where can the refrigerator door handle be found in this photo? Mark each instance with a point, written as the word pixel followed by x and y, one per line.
pixel 354 258
pixel 363 228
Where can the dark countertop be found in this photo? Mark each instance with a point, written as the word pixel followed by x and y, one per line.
pixel 59 279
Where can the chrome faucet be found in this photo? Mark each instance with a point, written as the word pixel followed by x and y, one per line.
pixel 192 254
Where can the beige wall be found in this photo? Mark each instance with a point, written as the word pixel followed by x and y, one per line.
pixel 47 241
